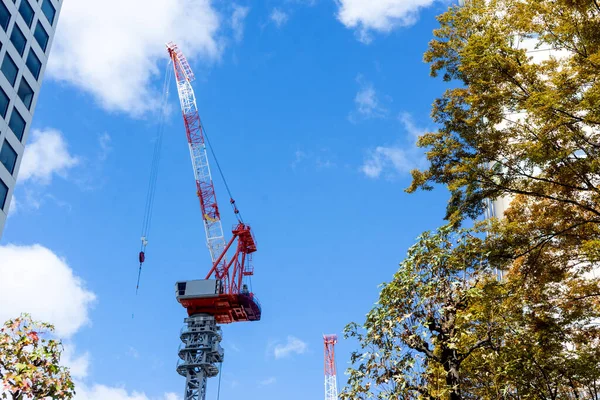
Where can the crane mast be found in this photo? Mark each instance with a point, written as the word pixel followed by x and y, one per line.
pixel 223 296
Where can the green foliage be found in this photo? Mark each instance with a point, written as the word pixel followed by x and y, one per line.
pixel 518 127
pixel 447 328
pixel 29 363
pixel 423 327
pixel 550 306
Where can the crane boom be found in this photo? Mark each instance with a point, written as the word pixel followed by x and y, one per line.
pixel 204 185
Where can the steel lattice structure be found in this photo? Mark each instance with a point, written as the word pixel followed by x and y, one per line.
pixel 200 352
pixel 331 392
pixel 222 297
pixel 195 136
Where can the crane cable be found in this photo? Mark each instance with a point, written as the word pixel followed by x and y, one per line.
pixel 236 211
pixel 220 374
pixel 154 172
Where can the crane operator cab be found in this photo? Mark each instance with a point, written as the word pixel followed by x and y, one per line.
pixel 197 288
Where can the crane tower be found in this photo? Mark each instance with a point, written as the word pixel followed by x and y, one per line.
pixel 223 296
pixel 331 392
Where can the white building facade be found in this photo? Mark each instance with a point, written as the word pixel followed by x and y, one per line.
pixel 538 53
pixel 26 31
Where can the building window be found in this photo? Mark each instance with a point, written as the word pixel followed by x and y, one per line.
pixel 8 157
pixel 41 36
pixel 25 93
pixel 17 124
pixel 33 63
pixel 49 11
pixel 9 69
pixel 18 39
pixel 4 16
pixel 3 103
pixel 3 194
pixel 26 12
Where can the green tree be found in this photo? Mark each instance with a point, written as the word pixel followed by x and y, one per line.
pixel 447 328
pixel 29 363
pixel 422 329
pixel 512 126
pixel 515 125
pixel 550 308
pixel 530 130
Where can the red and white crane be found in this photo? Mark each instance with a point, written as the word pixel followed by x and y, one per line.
pixel 196 141
pixel 331 392
pixel 223 296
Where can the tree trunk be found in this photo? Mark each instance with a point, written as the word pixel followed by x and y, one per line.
pixel 451 364
pixel 453 380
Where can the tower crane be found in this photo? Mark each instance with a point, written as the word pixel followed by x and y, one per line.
pixel 331 392
pixel 223 296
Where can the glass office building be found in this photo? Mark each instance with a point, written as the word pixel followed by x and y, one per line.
pixel 26 31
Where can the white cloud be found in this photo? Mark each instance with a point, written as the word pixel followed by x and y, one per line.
pixel 378 15
pixel 37 281
pixel 293 345
pixel 14 207
pixel 112 49
pixel 105 148
pixel 279 17
pixel 237 21
pixel 268 381
pixel 325 163
pixel 396 159
pixel 299 156
pixel 102 392
pixel 36 196
pixel 232 346
pixel 320 159
pixel 77 364
pixel 383 157
pixel 308 3
pixel 409 125
pixel 47 154
pixel 133 352
pixel 367 102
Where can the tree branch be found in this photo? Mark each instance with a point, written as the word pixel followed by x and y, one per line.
pixel 421 346
pixel 512 190
pixel 480 344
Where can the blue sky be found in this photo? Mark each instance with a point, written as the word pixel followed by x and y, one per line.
pixel 313 108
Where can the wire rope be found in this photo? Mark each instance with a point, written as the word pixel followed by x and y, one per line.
pixel 237 212
pixel 150 194
pixel 220 374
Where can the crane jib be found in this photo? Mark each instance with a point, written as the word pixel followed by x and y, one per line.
pixel 201 168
